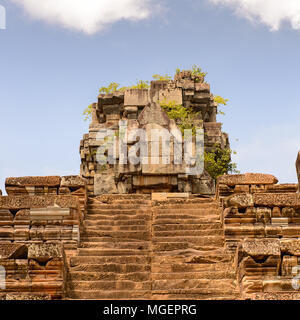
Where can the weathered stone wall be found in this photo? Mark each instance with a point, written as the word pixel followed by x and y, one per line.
pixel 141 109
pixel 33 271
pixel 39 222
pixel 261 224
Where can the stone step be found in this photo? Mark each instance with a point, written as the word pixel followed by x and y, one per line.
pixel 169 268
pixel 85 238
pixel 110 285
pixel 182 233
pixel 138 235
pixel 112 276
pixel 116 206
pixel 194 275
pixel 203 240
pixel 110 295
pixel 112 268
pixel 116 222
pixel 75 261
pixel 191 207
pixel 131 202
pixel 194 284
pixel 196 293
pixel 181 201
pixel 187 226
pixel 171 246
pixel 207 220
pixel 121 217
pixel 109 252
pixel 197 212
pixel 113 197
pixel 93 228
pixel 199 257
pixel 113 212
pixel 184 217
pixel 117 245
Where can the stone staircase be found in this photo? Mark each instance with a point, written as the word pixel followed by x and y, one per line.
pixel 135 248
pixel 189 260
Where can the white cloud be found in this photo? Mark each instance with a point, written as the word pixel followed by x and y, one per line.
pixel 87 16
pixel 269 12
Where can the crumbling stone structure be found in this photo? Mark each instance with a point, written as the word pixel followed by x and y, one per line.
pixel 141 109
pixel 261 227
pixel 150 231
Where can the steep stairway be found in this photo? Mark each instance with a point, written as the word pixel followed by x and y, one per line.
pixel 134 248
pixel 189 260
pixel 114 259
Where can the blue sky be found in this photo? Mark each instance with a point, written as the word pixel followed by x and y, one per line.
pixel 52 64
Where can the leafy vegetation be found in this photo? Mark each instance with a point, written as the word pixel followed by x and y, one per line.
pixel 112 87
pixel 196 71
pixel 141 84
pixel 159 77
pixel 218 162
pixel 88 112
pixel 183 117
pixel 220 101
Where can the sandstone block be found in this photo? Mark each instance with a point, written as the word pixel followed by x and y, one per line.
pixel 45 252
pixel 136 97
pixel 239 188
pixel 147 181
pixel 53 181
pixel 280 221
pixel 104 183
pixel 49 213
pixel 167 96
pixel 263 215
pixel 277 199
pixel 242 200
pixel 261 247
pixel 72 182
pixel 27 202
pixel 13 251
pixel 290 246
pixel 248 178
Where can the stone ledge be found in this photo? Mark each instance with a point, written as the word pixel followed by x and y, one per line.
pixel 72 181
pixel 29 202
pixel 244 200
pixel 49 181
pixel 260 247
pixel 247 178
pixel 277 199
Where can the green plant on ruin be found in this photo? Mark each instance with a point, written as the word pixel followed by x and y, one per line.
pixel 198 73
pixel 141 84
pixel 183 116
pixel 160 77
pixel 218 162
pixel 220 101
pixel 111 88
pixel 88 112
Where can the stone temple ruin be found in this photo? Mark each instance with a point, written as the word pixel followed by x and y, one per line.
pixel 141 109
pixel 150 231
